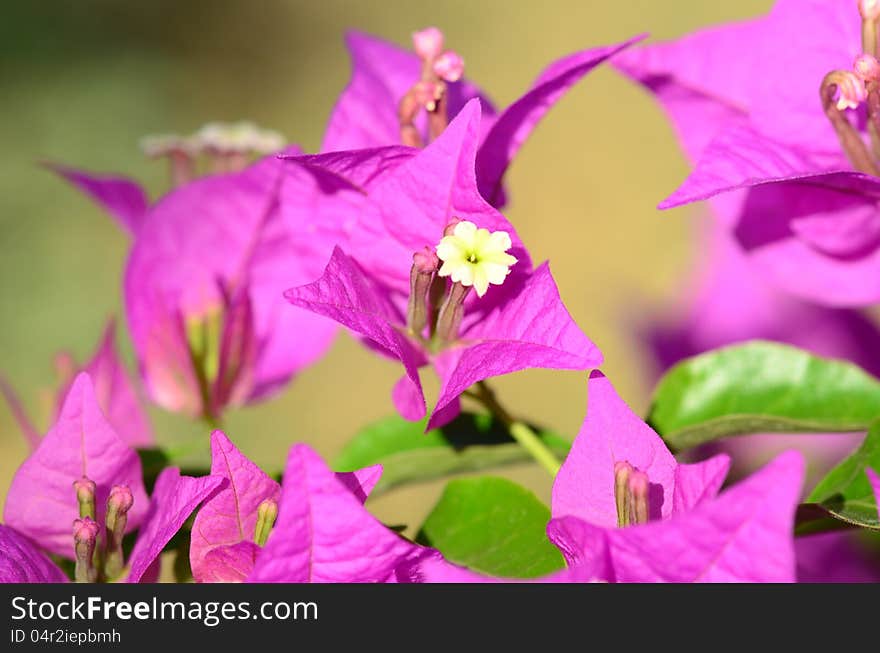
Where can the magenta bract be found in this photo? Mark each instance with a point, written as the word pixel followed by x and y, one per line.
pixel 744 99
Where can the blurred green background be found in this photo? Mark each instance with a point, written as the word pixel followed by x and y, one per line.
pixel 81 82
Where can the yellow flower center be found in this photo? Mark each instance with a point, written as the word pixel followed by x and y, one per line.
pixel 475 257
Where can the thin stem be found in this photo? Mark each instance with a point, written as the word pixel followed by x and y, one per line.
pixel 519 431
pixel 869 36
pixel 873 104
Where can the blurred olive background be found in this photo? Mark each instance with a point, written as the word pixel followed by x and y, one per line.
pixel 81 81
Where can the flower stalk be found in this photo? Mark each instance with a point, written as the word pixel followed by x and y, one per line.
pixel 519 431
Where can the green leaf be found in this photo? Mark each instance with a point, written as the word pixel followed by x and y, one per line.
pixel 469 443
pixel 845 493
pixel 761 387
pixel 493 526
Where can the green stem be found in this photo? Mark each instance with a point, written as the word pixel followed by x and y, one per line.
pixel 523 434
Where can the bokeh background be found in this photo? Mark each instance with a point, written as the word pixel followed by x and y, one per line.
pixel 81 82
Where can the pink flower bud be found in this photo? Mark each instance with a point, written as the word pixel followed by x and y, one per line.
pixel 638 484
pixel 851 91
pixel 85 537
pixel 869 9
pixel 119 503
pixel 120 499
pixel 428 43
pixel 637 489
pixel 84 530
pixel 450 226
pixel 449 66
pixel 867 68
pixel 85 489
pixel 426 261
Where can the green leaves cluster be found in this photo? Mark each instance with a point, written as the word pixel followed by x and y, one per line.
pixel 763 387
pixel 488 524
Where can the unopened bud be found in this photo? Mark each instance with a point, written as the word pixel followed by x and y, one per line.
pixel 451 314
pixel 85 538
pixel 120 500
pixel 428 43
pixel 869 9
pixel 622 472
pixel 85 489
pixel 425 263
pixel 450 226
pixel 449 66
pixel 867 68
pixel 119 503
pixel 637 491
pixel 267 513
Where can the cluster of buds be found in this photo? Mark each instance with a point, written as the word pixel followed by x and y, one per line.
pixel 844 90
pixel 471 258
pixel 227 146
pixel 439 67
pixel 99 557
pixel 631 487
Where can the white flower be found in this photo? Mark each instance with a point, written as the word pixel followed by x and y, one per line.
pixel 475 257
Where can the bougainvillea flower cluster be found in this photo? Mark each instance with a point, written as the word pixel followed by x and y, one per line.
pixel 239 276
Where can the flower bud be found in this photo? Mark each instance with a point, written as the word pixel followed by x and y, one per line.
pixel 867 68
pixel 267 513
pixel 450 226
pixel 119 503
pixel 451 314
pixel 428 43
pixel 425 263
pixel 449 66
pixel 637 491
pixel 622 472
pixel 85 496
pixel 85 538
pixel 869 9
pixel 631 494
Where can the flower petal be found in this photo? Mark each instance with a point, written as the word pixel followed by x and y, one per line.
pixel 611 433
pixel 744 535
pixel 529 327
pixel 122 198
pixel 323 532
pixel 41 502
pixel 229 515
pixel 174 498
pixel 22 562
